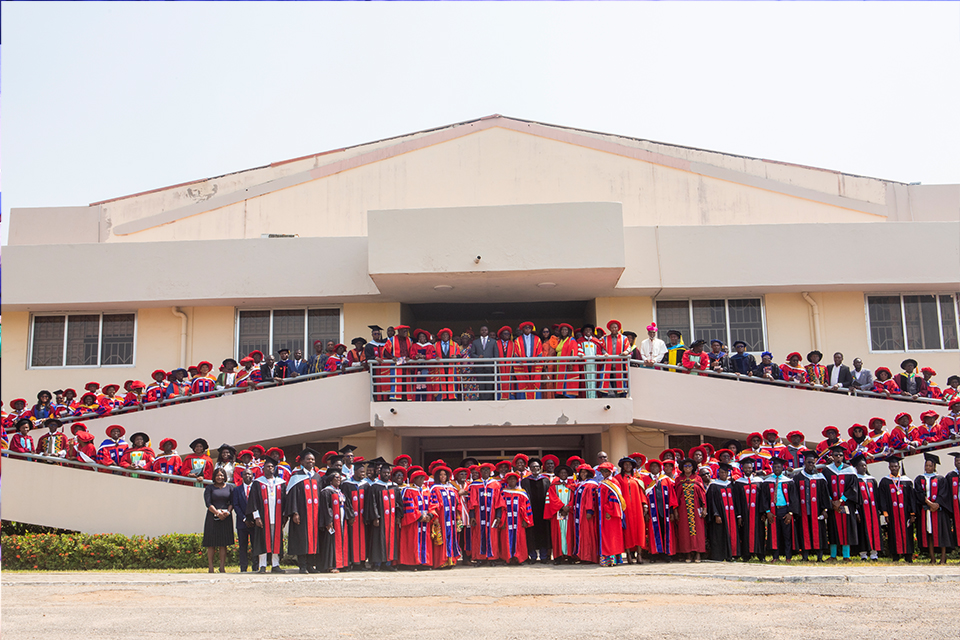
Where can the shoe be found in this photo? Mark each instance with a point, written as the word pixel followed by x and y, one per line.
pixel 262 570
pixel 302 570
pixel 273 570
pixel 313 570
pixel 243 569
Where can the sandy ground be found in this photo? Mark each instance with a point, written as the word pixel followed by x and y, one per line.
pixel 653 601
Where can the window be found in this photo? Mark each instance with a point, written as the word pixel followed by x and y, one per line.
pixel 721 319
pixel 922 322
pixel 270 331
pixel 83 340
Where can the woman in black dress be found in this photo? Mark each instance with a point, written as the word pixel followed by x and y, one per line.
pixel 218 527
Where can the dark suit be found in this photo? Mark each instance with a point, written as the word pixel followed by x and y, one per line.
pixel 302 367
pixel 845 379
pixel 478 350
pixel 239 499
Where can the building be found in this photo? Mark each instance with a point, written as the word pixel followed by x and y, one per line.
pixel 494 220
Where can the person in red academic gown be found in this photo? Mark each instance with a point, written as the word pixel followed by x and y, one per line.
pixel 446 377
pixel 335 512
pixel 897 502
pixel 140 455
pixel 813 496
pixel 569 382
pixel 423 387
pixel 517 517
pixel 868 514
pixel 111 450
pixel 168 461
pixel 691 503
pixel 399 348
pixel 661 532
pixel 265 513
pixel 636 511
pixel 832 435
pixel 485 505
pixel 950 498
pixel 614 369
pixel 197 465
pixel 504 347
pixel 527 376
pixel 611 507
pixel 933 520
pixel 448 509
pixel 302 508
pixel 585 517
pixel 559 512
pixel 416 547
pixel 752 520
pixel 85 449
pixel 722 516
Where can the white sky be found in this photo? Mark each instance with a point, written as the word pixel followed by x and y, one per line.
pixel 102 100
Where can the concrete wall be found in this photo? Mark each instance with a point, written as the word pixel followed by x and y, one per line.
pixel 82 500
pixel 55 225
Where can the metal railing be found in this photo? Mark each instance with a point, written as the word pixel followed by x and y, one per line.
pixel 786 383
pixel 113 469
pixel 142 406
pixel 499 378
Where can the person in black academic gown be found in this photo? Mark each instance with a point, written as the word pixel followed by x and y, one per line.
pixel 722 516
pixel 844 497
pixel 750 516
pixel 868 512
pixel 933 522
pixel 814 500
pixel 950 498
pixel 779 500
pixel 538 536
pixel 335 511
pixel 898 504
pixel 303 509
pixel 267 527
pixel 380 515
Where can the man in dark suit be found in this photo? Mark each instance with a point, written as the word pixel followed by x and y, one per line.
pixel 484 347
pixel 244 534
pixel 299 365
pixel 838 374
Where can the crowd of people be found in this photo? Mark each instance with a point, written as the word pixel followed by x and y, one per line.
pixel 770 497
pixel 592 364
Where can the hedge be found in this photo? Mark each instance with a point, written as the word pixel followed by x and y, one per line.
pixel 109 551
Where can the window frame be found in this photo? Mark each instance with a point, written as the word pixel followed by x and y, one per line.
pixel 66 334
pixel 306 325
pixel 903 319
pixel 726 308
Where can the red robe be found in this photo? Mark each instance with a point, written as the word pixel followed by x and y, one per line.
pixel 399 381
pixel 21 443
pixel 447 507
pixel 416 547
pixel 528 375
pixel 203 461
pixel 634 524
pixel 585 515
pixel 517 516
pixel 611 512
pixel 239 468
pixel 485 505
pixel 146 458
pixel 661 531
pixel 568 372
pixel 612 371
pixel 423 387
pixel 446 373
pixel 169 464
pixel 562 526
pixel 691 502
pixel 504 380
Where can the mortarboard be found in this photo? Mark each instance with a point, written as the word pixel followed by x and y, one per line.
pixel 929 457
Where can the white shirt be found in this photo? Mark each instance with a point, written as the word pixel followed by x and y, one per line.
pixel 653 350
pixel 835 376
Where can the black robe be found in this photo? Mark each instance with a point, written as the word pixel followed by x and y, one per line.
pixel 811 525
pixel 353 490
pixel 752 519
pixel 898 503
pixel 779 532
pixel 939 521
pixel 868 515
pixel 722 535
pixel 303 496
pixel 264 538
pixel 538 536
pixel 950 503
pixel 842 523
pixel 380 504
pixel 335 511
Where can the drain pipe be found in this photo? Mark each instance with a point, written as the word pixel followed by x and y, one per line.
pixel 816 319
pixel 183 334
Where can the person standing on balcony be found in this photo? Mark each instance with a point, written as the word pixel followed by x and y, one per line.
pixel 54 443
pixel 504 348
pixel 44 407
pixel 243 378
pixel 619 347
pixel 741 362
pixel 484 347
pixel 177 386
pixel 168 461
pixel 357 355
pixel 816 373
pixel 588 348
pixel 694 359
pixel 548 346
pixel 112 449
pixel 197 464
pixel 228 377
pixel 719 360
pixel 791 371
pixel 22 441
pixel 204 381
pixel 299 365
pixel 317 360
pixel 933 389
pixel 337 361
pixel 767 370
pixel 861 378
pixel 109 400
pixel 528 375
pixel 399 348
pixel 446 372
pixel 675 349
pixel 838 374
pixel 652 348
pixel 910 383
pixel 951 393
pixel 284 366
pixel 140 455
pixel 568 371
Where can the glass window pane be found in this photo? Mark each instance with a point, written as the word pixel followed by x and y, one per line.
pixel 288 330
pixel 117 343
pixel 746 323
pixel 323 324
pixel 923 330
pixel 886 326
pixel 673 314
pixel 83 340
pixel 254 332
pixel 709 320
pixel 948 314
pixel 47 341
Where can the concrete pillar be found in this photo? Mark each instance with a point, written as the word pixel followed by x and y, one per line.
pixel 385 444
pixel 618 442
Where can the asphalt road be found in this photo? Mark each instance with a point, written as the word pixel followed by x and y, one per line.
pixel 652 601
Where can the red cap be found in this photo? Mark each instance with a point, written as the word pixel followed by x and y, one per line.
pixel 880 420
pixel 953 403
pixel 273 450
pixel 509 463
pixel 445 329
pixel 401 470
pixel 670 462
pixel 458 470
pixel 929 413
pixel 569 327
pixel 827 430
pixel 245 360
pixel 902 414
pixel 879 369
pixel 74 391
pixel 123 431
pixel 755 434
pixel 728 451
pixel 928 370
pixel 245 452
pixel 527 324
pixel 416 334
pixel 23 400
pixel 513 474
pixel 617 322
pixel 137 384
pixel 650 463
pixel 850 430
pixel 436 462
pixel 573 459
pixel 708 447
pixel 402 326
pixel 94 384
pixel 794 354
pixel 160 371
pixel 77 427
pixel 488 465
pixel 204 362
pixel 670 451
pixel 606 465
pixel 599 332
pixel 585 467
pixel 257 449
pixel 85 436
pixel 699 448
pixel 418 473
pixel 255 352
pixel 440 468
pixel 504 328
pixel 357 459
pixel 521 456
pixel 166 440
pixel 550 456
pixel 400 457
pixel 111 385
pixel 639 457
pixel 327 455
pixel 773 431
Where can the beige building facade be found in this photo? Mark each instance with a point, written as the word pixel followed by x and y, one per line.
pixel 489 221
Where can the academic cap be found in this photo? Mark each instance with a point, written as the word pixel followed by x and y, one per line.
pixel 955 454
pixel 724 466
pixel 375 327
pixel 810 453
pixel 779 459
pixel 837 447
pixel 563 466
pixel 857 458
pixel 303 454
pixel 199 441
pixel 929 457
pixel 347 448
